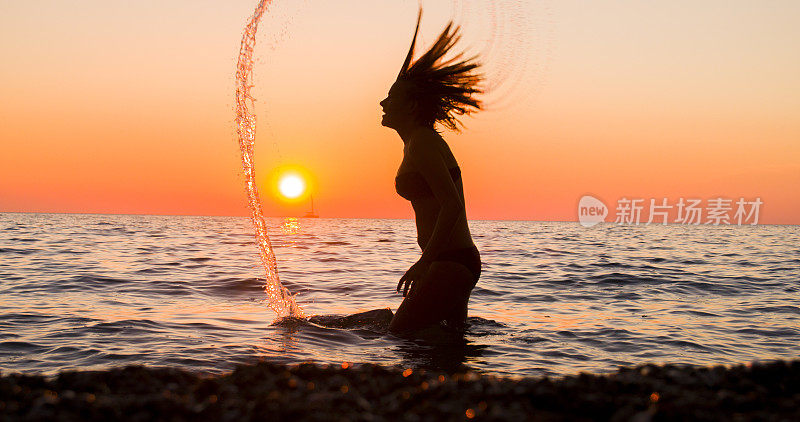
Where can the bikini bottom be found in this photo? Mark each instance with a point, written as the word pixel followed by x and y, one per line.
pixel 468 257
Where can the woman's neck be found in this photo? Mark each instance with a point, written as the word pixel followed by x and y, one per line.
pixel 407 131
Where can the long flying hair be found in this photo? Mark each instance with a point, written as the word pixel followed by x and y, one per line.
pixel 442 89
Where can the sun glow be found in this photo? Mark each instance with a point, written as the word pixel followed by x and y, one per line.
pixel 291 183
pixel 291 186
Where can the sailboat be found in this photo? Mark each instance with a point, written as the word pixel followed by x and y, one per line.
pixel 311 214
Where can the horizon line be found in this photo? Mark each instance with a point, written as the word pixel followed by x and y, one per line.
pixel 371 218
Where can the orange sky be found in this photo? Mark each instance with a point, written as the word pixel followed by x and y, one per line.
pixel 112 107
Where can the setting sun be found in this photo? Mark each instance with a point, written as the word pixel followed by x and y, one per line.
pixel 291 186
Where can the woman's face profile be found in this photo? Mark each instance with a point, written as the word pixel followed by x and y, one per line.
pixel 396 106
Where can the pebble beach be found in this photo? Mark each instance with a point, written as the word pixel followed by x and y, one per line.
pixel 767 391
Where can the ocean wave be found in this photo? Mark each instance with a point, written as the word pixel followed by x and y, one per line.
pixel 95 291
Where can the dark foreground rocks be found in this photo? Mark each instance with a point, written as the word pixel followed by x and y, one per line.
pixel 265 391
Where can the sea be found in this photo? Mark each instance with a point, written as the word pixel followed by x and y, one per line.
pixel 91 292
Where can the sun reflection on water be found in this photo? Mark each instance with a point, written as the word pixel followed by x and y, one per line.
pixel 290 225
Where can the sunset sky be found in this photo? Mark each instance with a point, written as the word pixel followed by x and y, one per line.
pixel 128 107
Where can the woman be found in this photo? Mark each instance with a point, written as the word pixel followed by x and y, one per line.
pixel 428 92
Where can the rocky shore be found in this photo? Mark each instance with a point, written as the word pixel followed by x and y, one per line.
pixel 266 391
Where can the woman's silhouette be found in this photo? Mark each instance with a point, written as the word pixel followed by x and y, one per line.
pixel 427 92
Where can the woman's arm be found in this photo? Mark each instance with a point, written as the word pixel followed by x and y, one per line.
pixel 429 162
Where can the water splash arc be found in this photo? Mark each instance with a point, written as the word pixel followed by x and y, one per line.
pixel 278 297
